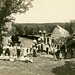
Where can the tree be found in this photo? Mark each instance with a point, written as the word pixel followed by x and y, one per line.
pixel 72 26
pixel 8 7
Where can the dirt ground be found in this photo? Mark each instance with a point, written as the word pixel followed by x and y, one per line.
pixel 41 66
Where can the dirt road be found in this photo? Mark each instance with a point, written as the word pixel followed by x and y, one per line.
pixel 40 66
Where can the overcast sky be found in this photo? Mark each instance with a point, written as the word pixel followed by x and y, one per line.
pixel 46 11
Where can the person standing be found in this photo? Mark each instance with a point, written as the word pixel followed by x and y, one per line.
pixel 72 52
pixel 58 52
pixel 1 50
pixel 47 49
pixel 7 51
pixel 34 52
pixel 54 53
pixel 10 49
pixel 41 47
pixel 28 51
pixel 65 51
pixel 15 50
pixel 48 40
pixel 34 48
pixel 25 52
pixel 4 49
pixel 60 55
pixel 21 50
pixel 18 51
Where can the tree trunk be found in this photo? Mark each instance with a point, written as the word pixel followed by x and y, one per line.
pixel 1 25
pixel 0 36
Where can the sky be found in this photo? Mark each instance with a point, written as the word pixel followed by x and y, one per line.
pixel 48 11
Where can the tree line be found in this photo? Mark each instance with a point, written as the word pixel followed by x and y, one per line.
pixel 33 28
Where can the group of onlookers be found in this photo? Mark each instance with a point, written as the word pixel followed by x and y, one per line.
pixel 22 53
pixel 16 52
pixel 65 52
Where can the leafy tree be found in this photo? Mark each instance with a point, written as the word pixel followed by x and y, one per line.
pixel 8 7
pixel 72 26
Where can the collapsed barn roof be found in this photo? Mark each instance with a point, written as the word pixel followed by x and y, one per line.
pixel 60 34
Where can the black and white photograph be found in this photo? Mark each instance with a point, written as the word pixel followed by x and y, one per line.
pixel 37 37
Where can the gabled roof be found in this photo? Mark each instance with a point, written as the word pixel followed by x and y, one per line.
pixel 59 32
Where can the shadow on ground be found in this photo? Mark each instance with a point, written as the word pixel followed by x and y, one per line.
pixel 67 69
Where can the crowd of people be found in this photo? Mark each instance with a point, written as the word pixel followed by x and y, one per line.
pixel 17 52
pixel 22 53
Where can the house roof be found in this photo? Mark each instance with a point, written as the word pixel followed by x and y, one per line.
pixel 59 32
